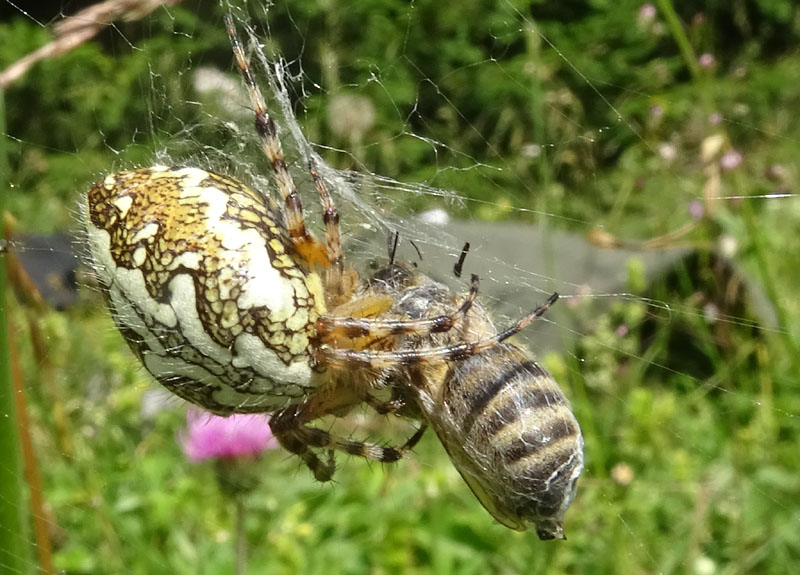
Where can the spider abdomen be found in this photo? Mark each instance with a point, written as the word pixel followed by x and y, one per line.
pixel 204 284
pixel 519 446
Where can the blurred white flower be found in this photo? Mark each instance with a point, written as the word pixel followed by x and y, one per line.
pixel 727 245
pixel 704 566
pixel 531 151
pixel 622 474
pixel 711 312
pixel 350 116
pixel 667 151
pixel 224 89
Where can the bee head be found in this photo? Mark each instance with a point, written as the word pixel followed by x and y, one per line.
pixel 550 529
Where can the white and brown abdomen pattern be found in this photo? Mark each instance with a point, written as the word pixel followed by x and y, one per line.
pixel 201 283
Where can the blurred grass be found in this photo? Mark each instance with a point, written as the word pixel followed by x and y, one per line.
pixel 690 410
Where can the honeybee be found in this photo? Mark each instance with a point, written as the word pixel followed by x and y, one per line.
pixel 501 417
pixel 231 303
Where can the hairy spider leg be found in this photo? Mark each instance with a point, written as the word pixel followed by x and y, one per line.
pixel 382 407
pixel 309 248
pixel 290 424
pixel 379 359
pixel 339 281
pixel 330 327
pixel 459 265
pixel 289 427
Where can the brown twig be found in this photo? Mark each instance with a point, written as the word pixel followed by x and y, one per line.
pixel 35 305
pixel 41 529
pixel 73 31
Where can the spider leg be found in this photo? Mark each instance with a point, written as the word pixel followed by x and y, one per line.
pixel 285 425
pixel 331 328
pixel 333 242
pixel 320 438
pixel 459 265
pixel 378 359
pixel 289 428
pixel 385 407
pixel 308 247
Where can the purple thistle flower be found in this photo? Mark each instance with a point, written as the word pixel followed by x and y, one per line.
pixel 209 436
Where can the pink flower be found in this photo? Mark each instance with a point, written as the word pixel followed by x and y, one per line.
pixel 706 61
pixel 209 436
pixel 731 160
pixel 656 111
pixel 647 13
pixel 696 209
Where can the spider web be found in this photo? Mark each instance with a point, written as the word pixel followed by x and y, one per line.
pixel 689 464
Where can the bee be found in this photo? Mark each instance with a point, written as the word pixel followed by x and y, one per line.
pixel 501 417
pixel 232 304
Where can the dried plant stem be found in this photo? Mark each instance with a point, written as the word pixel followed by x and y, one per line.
pixel 33 478
pixel 79 28
pixel 13 547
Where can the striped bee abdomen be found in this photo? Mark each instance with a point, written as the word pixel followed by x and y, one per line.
pixel 513 437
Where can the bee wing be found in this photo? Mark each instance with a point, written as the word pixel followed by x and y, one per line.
pixel 478 488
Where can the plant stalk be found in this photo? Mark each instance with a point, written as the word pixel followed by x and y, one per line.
pixel 240 537
pixel 14 550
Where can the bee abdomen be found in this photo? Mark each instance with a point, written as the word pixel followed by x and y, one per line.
pixel 494 398
pixel 518 428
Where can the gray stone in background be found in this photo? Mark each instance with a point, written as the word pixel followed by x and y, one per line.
pixel 51 264
pixel 545 260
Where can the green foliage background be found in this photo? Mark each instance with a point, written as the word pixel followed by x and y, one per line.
pixel 701 415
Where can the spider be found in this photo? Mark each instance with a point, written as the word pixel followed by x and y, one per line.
pixel 231 303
